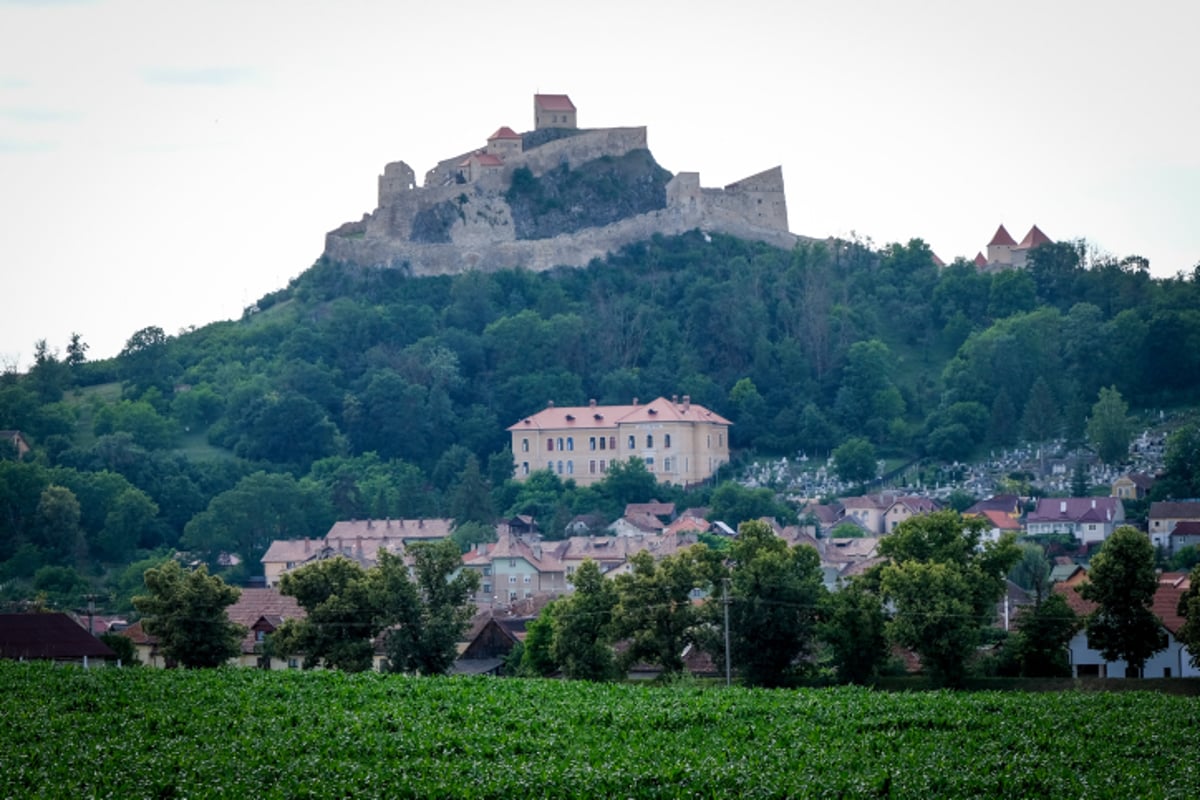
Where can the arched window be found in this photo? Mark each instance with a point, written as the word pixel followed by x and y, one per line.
pixel 570 442
pixel 550 444
pixel 649 440
pixel 524 445
pixel 570 467
pixel 666 440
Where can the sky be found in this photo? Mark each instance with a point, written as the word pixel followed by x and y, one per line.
pixel 168 164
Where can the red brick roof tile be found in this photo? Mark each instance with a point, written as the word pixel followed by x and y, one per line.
pixel 1002 237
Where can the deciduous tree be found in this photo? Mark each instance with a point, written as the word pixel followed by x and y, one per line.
pixel 776 593
pixel 424 642
pixel 853 625
pixel 185 610
pixel 854 460
pixel 944 586
pixel 1122 583
pixel 1109 429
pixel 583 626
pixel 1043 632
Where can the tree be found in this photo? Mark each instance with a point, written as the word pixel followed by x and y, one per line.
pixel 854 460
pixel 583 626
pixel 1122 583
pixel 655 612
pixel 854 627
pixel 1032 570
pixel 347 607
pixel 1181 477
pixel 1109 429
pixel 776 592
pixel 56 524
pixel 944 586
pixel 1041 420
pixel 537 657
pixel 734 504
pixel 1043 632
pixel 470 498
pixel 1189 608
pixel 185 610
pixel 76 350
pixel 424 643
pixel 145 361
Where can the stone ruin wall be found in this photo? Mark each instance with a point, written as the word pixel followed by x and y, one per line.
pixel 484 236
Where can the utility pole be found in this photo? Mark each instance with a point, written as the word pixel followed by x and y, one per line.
pixel 725 602
pixel 91 598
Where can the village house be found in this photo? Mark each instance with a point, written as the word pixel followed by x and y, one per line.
pixel 679 442
pixel 1088 519
pixel 511 568
pixel 358 540
pixel 50 637
pixel 880 514
pixel 1166 515
pixel 1173 662
pixel 1132 486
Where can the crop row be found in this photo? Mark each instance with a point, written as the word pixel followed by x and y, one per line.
pixel 246 733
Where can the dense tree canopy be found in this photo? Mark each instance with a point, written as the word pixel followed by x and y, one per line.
pixel 1122 583
pixel 185 610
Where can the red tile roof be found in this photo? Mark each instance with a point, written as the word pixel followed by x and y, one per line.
pixel 504 132
pixel 553 102
pixel 980 260
pixel 1002 521
pixel 1002 237
pixel 658 410
pixel 1034 238
pixel 937 262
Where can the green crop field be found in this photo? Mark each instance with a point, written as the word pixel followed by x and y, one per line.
pixel 131 733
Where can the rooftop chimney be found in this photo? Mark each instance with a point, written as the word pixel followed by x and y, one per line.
pixel 635 401
pixel 1093 502
pixel 1062 506
pixel 592 403
pixel 687 402
pixel 550 404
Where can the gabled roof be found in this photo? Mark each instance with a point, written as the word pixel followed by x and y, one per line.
pixel 1034 238
pixel 1162 509
pixel 937 262
pixel 483 159
pixel 48 636
pixel 1187 527
pixel 1076 509
pixel 605 417
pixel 1008 503
pixel 1171 586
pixel 653 508
pixel 1002 238
pixel 504 132
pixel 1001 520
pixel 553 102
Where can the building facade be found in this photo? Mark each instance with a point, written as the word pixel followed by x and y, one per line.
pixel 679 441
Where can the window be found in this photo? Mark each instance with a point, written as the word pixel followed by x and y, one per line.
pixel 512 578
pixel 570 467
pixel 560 468
pixel 720 440
pixel 602 466
pixel 592 467
pixel 650 463
pixel 512 594
pixel 632 443
pixel 550 444
pixel 708 440
pixel 293 663
pixel 560 444
pixel 487 571
pixel 612 443
pixel 528 579
pixel 487 588
pixel 591 443
pixel 528 594
pixel 602 442
pixel 260 635
pixel 666 464
pixel 649 440
pixel 512 563
pixel 524 445
pixel 666 440
pixel 570 442
pixel 524 467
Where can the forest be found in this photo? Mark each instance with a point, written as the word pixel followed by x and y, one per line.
pixel 355 393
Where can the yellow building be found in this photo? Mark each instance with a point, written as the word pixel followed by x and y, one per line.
pixel 679 441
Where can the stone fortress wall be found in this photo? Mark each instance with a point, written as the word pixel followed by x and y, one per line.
pixel 483 235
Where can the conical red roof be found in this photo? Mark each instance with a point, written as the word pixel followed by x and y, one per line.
pixel 980 261
pixel 1002 237
pixel 1034 238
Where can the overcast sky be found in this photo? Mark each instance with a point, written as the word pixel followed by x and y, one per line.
pixel 168 163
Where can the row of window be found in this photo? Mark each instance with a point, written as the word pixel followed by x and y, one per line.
pixel 567 443
pixel 512 593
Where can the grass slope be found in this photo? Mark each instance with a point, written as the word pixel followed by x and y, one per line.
pixel 247 733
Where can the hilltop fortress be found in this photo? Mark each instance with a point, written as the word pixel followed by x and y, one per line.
pixel 555 196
